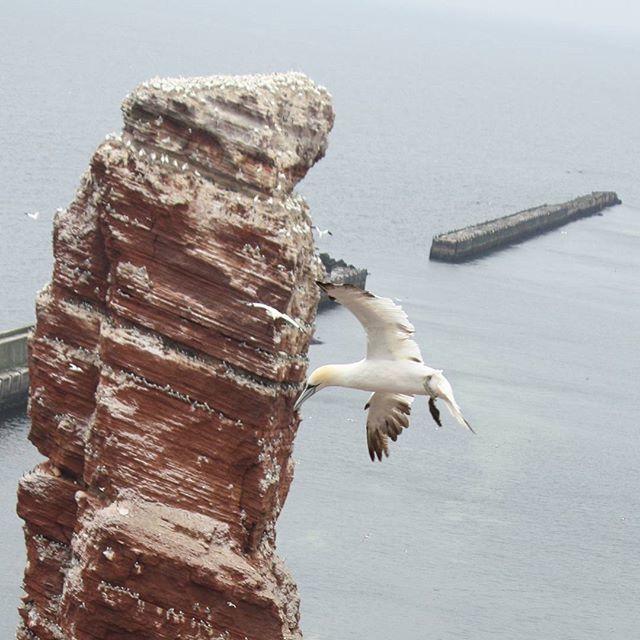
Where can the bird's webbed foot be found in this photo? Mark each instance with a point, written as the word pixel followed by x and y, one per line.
pixel 435 413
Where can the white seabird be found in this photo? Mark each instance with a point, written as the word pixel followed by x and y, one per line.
pixel 274 314
pixel 393 369
pixel 321 232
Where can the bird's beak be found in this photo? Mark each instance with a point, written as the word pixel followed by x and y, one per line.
pixel 309 390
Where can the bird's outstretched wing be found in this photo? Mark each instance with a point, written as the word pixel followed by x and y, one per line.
pixel 389 332
pixel 388 415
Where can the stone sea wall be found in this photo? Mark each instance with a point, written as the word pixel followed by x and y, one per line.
pixel 14 375
pixel 480 239
pixel 168 351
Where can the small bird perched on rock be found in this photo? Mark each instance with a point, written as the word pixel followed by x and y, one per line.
pixel 393 369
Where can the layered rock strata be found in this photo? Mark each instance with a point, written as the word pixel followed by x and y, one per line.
pixel 168 351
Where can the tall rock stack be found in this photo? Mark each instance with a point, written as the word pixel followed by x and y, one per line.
pixel 168 351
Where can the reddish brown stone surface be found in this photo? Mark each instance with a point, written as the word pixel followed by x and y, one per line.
pixel 161 397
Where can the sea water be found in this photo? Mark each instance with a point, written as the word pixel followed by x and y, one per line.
pixel 527 530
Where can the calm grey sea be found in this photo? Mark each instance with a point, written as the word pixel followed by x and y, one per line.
pixel 528 530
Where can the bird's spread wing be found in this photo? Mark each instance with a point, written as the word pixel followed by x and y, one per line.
pixel 388 415
pixel 389 332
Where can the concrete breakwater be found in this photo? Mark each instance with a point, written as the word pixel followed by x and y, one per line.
pixel 14 374
pixel 479 239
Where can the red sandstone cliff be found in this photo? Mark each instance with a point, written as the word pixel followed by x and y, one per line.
pixel 161 397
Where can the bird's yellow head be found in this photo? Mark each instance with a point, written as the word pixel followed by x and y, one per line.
pixel 319 379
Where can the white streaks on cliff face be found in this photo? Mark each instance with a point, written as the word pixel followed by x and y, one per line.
pixel 137 275
pixel 74 227
pixel 108 398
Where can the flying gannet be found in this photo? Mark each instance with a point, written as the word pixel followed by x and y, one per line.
pixel 321 232
pixel 393 369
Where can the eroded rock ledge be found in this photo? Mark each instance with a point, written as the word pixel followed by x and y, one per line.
pixel 161 398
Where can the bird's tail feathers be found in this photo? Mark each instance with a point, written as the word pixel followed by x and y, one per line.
pixel 454 410
pixel 438 386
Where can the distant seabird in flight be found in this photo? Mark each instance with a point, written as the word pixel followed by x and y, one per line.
pixel 274 314
pixel 321 232
pixel 393 369
pixel 33 216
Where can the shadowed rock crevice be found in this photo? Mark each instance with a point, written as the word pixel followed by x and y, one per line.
pixel 161 397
